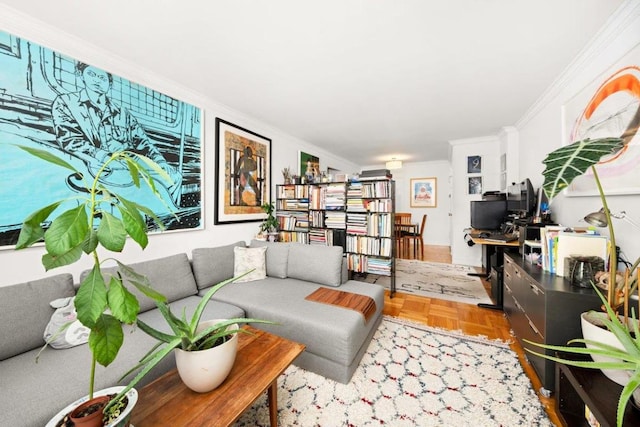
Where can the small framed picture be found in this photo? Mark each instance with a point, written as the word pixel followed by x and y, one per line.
pixel 424 192
pixel 474 164
pixel 475 185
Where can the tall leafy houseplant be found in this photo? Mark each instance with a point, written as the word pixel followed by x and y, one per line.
pixel 562 167
pixel 87 227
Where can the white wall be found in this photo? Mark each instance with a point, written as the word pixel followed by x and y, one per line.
pixel 540 130
pixel 18 266
pixel 438 219
pixel 489 149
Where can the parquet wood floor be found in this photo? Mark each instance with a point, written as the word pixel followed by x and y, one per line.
pixel 467 318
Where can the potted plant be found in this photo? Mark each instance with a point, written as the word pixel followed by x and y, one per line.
pixel 620 351
pixel 204 350
pixel 269 226
pixel 88 227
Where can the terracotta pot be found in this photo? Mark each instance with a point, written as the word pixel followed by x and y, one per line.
pixel 95 418
pixel 204 370
pixel 121 421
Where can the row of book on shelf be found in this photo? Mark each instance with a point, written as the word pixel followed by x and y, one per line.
pixel 558 244
pixel 367 264
pixel 369 245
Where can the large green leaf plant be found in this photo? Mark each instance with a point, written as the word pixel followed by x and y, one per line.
pixel 86 227
pixel 562 167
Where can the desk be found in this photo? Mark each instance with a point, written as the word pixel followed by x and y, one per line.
pixel 489 248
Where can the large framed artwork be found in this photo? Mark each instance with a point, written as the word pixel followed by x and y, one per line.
pixel 608 107
pixel 82 113
pixel 424 192
pixel 243 173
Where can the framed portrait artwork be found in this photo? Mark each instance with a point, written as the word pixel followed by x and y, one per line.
pixel 475 185
pixel 46 106
pixel 243 174
pixel 474 164
pixel 424 192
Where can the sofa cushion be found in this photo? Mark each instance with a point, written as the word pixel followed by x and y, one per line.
pixel 171 276
pixel 213 265
pixel 26 311
pixel 277 257
pixel 318 264
pixel 247 259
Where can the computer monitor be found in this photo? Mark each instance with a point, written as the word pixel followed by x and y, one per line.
pixel 488 214
pixel 521 199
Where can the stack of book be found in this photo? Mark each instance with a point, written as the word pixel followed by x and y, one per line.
pixel 374 174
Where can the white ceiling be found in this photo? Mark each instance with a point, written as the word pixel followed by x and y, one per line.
pixel 365 79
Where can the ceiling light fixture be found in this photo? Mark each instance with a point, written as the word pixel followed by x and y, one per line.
pixel 394 164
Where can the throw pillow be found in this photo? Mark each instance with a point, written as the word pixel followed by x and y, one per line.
pixel 64 330
pixel 246 259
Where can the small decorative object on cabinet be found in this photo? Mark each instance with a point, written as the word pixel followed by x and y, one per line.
pixel 292 212
pixel 370 244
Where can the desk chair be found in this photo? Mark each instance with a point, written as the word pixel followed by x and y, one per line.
pixel 416 239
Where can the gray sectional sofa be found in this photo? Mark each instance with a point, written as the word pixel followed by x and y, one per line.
pixel 335 338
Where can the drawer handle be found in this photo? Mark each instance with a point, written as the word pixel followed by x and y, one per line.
pixel 532 326
pixel 507 288
pixel 535 289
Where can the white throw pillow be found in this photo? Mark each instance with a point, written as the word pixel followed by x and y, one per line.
pixel 246 259
pixel 64 330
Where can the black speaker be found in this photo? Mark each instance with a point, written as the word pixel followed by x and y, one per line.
pixel 496 283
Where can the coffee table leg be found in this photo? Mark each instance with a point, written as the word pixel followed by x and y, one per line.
pixel 272 395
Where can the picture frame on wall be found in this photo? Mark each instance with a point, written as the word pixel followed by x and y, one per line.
pixel 308 165
pixel 44 86
pixel 243 174
pixel 475 185
pixel 474 164
pixel 424 192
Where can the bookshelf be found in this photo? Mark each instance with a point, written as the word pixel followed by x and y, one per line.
pixel 370 246
pixel 327 216
pixel 292 212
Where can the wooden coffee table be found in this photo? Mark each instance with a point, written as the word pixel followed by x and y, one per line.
pixel 261 358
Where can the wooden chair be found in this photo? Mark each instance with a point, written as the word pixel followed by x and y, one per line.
pixel 402 220
pixel 417 239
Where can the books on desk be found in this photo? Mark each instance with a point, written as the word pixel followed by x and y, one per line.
pixel 558 243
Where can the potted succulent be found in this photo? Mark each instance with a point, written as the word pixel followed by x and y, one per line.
pixel 88 227
pixel 269 226
pixel 204 350
pixel 619 346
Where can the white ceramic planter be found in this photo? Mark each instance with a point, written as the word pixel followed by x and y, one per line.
pixel 121 421
pixel 204 370
pixel 603 335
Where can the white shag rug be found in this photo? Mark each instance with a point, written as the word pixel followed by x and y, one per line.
pixel 412 375
pixel 434 280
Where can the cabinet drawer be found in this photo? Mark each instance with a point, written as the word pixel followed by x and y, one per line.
pixel 534 305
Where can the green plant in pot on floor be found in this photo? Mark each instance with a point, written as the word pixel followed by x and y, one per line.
pixel 89 227
pixel 562 167
pixel 204 350
pixel 269 227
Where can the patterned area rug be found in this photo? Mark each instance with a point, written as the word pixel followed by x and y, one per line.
pixel 412 375
pixel 434 280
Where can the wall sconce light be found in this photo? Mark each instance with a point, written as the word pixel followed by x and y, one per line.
pixel 394 164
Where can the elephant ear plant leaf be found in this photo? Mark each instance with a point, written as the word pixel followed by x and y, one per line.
pixel 571 161
pixel 85 227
